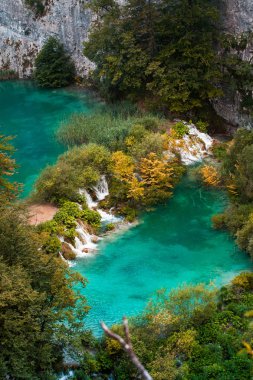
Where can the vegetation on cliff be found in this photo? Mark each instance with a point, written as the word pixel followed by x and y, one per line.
pixel 236 176
pixel 38 6
pixel 164 52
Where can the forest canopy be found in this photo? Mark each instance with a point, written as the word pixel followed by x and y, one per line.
pixel 160 50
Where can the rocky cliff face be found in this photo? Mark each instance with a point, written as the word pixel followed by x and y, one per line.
pixel 22 35
pixel 237 18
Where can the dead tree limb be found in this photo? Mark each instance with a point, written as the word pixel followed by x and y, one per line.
pixel 127 347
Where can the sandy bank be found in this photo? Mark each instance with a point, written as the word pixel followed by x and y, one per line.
pixel 40 213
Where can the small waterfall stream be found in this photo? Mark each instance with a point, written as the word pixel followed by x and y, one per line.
pixel 85 243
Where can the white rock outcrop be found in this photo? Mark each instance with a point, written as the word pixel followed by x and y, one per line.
pixel 22 34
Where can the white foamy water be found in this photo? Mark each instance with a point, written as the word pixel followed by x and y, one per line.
pixel 194 146
pixel 101 189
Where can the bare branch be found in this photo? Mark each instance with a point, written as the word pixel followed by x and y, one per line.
pixel 127 347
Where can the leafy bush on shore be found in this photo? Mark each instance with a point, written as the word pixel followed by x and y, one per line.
pixel 237 174
pixel 78 168
pixel 194 333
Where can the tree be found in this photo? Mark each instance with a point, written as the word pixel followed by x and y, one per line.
pixel 40 314
pixel 37 6
pixel 127 346
pixel 164 50
pixel 157 178
pixel 53 66
pixel 8 190
pixel 122 166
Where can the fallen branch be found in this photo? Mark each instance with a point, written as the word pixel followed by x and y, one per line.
pixel 127 347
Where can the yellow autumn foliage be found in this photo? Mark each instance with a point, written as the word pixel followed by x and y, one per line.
pixel 155 172
pixel 210 175
pixel 136 189
pixel 122 166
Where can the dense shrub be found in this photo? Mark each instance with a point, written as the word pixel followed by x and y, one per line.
pixel 78 168
pixel 191 333
pixel 53 66
pixel 40 313
pixel 92 217
pixel 161 50
pixel 179 130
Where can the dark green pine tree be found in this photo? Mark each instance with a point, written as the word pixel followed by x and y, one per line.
pixel 53 66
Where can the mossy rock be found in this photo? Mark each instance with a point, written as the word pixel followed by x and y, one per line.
pixel 67 252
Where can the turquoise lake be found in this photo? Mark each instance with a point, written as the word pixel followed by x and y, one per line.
pixel 172 245
pixel 33 115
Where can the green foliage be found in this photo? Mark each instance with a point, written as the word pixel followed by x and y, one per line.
pixel 8 74
pixel 37 6
pixel 202 126
pixel 53 66
pixel 141 147
pixel 51 245
pixel 110 227
pixel 99 128
pixel 78 168
pixel 191 333
pixel 237 172
pixel 238 164
pixel 40 314
pixel 92 217
pixel 238 72
pixel 219 151
pixel 108 127
pixel 179 129
pixel 170 58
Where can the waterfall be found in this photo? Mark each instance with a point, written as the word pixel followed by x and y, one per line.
pixel 69 262
pixel 90 203
pixel 83 242
pixel 108 217
pixel 101 189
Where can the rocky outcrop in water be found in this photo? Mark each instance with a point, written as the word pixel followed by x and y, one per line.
pixel 22 34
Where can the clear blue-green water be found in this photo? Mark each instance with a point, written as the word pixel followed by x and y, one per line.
pixel 33 115
pixel 172 245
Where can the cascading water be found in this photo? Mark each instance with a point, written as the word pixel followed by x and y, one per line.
pixel 84 242
pixel 90 203
pixel 101 189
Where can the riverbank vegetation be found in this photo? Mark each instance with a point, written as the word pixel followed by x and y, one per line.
pixel 41 316
pixel 132 154
pixel 236 176
pixel 160 61
pixel 195 333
